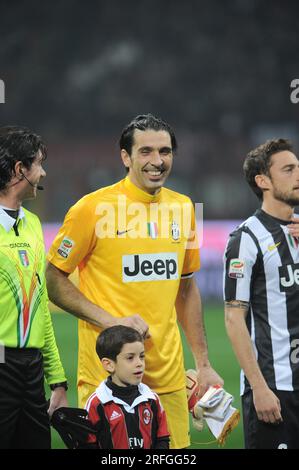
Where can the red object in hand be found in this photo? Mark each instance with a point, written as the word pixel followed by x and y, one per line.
pixel 192 388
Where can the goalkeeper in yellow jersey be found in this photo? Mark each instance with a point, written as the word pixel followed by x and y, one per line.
pixel 136 249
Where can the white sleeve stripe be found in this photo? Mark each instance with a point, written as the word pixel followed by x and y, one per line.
pixel 248 252
pixel 240 247
pixel 186 276
pixel 89 401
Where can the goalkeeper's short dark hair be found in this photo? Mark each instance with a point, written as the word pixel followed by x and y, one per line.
pixel 145 122
pixel 111 341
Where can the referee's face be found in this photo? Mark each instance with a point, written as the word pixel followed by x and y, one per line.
pixel 31 178
pixel 284 177
pixel 150 161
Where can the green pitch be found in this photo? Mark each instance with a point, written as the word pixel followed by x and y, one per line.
pixel 221 356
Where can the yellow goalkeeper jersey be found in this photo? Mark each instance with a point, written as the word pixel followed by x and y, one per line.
pixel 131 249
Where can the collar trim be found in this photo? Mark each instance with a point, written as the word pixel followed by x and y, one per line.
pixel 138 194
pixel 104 394
pixel 7 221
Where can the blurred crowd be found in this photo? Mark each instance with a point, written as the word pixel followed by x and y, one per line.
pixel 218 72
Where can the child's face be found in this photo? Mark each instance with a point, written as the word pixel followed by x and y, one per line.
pixel 129 365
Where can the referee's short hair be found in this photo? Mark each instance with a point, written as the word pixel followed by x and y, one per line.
pixel 17 144
pixel 111 341
pixel 258 161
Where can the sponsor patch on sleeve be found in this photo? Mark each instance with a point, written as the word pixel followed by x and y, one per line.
pixel 66 247
pixel 236 268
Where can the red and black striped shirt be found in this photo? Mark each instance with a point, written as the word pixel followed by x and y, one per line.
pixel 120 425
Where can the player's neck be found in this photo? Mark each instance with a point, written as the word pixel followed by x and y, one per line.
pixel 152 192
pixel 278 209
pixel 11 201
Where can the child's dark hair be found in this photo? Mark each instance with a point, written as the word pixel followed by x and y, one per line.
pixel 110 341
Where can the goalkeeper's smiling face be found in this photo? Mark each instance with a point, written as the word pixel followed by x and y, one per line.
pixel 150 161
pixel 128 368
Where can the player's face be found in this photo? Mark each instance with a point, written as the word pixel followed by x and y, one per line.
pixel 284 177
pixel 150 161
pixel 129 365
pixel 34 175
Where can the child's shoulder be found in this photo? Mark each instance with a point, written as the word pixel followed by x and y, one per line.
pixel 147 392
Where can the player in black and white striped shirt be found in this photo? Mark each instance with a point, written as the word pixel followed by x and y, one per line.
pixel 261 292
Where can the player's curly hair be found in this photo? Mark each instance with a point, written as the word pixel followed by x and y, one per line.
pixel 145 122
pixel 110 341
pixel 17 144
pixel 258 161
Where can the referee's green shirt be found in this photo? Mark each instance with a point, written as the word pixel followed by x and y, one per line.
pixel 25 320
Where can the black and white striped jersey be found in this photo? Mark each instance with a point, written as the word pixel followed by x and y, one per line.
pixel 261 266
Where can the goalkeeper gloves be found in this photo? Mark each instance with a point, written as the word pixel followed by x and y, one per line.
pixel 214 407
pixel 193 397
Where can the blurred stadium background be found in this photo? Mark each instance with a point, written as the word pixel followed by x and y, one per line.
pixel 219 72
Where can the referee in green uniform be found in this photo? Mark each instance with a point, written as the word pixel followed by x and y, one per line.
pixel 26 333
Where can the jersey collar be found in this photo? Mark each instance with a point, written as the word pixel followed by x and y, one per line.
pixel 105 395
pixel 8 222
pixel 138 194
pixel 260 213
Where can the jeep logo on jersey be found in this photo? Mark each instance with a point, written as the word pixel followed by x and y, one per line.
pixel 289 277
pixel 150 267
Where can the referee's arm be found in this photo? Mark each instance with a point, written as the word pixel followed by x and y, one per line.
pixel 266 403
